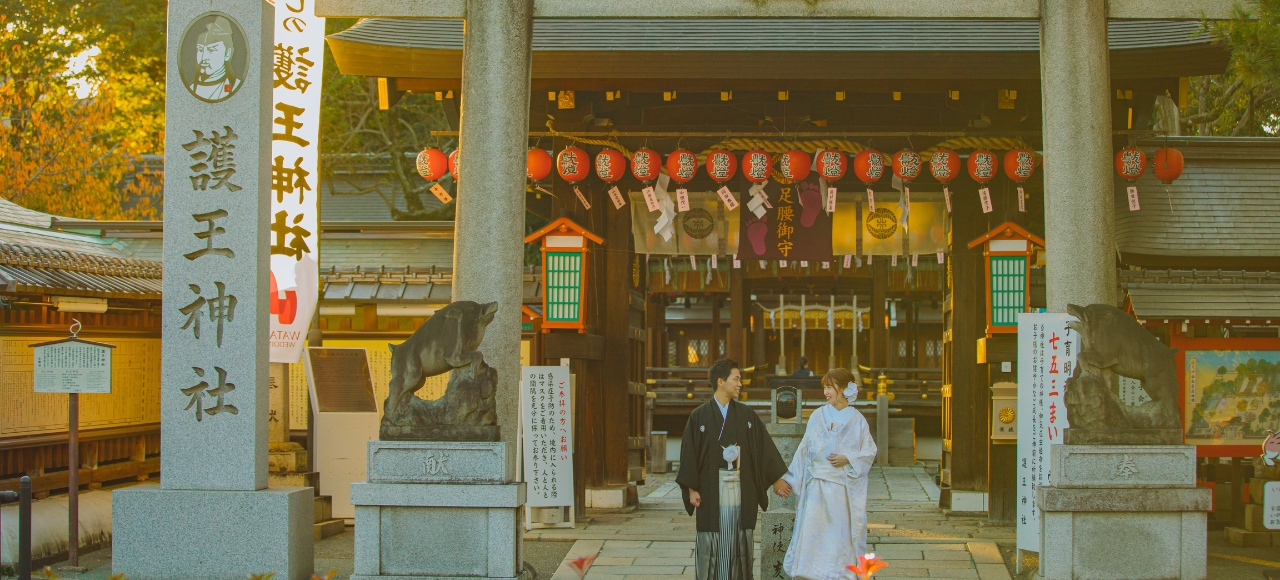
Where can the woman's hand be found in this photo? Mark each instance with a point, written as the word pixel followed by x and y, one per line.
pixel 838 460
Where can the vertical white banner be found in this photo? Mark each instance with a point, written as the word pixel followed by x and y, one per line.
pixel 298 68
pixel 1047 352
pixel 548 435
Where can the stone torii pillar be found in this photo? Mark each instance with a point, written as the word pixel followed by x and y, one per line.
pixel 1079 216
pixel 488 255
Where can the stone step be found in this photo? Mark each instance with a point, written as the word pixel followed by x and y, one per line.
pixel 304 479
pixel 328 528
pixel 1247 539
pixel 323 508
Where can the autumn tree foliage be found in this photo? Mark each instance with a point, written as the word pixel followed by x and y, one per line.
pixel 72 156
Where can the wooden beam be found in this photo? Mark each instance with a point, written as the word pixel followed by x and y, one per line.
pixel 886 9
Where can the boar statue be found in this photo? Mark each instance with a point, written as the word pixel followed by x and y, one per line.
pixel 1114 344
pixel 449 342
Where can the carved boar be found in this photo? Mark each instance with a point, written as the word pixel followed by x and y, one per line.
pixel 446 341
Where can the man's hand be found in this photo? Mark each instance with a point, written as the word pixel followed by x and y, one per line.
pixel 838 460
pixel 782 488
pixel 695 498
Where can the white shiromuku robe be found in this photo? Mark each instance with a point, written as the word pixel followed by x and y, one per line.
pixel 831 503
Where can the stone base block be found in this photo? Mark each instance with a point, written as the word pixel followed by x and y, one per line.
pixel 286 456
pixel 614 497
pixel 294 479
pixel 1253 518
pixel 1132 545
pixel 212 535
pixel 1075 436
pixel 1246 539
pixel 438 531
pixel 1145 466
pixel 437 461
pixel 328 529
pixel 1256 487
pixel 776 527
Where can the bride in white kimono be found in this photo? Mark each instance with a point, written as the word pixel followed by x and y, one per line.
pixel 829 474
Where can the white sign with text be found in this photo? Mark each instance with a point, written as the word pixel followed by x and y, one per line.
pixel 1047 352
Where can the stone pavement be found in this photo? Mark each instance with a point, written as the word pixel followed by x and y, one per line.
pixel 906 528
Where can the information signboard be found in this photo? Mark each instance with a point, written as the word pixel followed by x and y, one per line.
pixel 72 365
pixel 1271 505
pixel 1047 352
pixel 547 414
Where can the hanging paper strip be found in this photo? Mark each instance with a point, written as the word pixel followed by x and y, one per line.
pixel 582 198
pixel 1133 198
pixel 616 196
pixel 1022 200
pixel 985 195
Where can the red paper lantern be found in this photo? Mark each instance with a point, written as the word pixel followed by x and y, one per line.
pixel 795 165
pixel 868 165
pixel 453 164
pixel 944 164
pixel 682 165
pixel 573 164
pixel 907 165
pixel 610 165
pixel 645 164
pixel 982 165
pixel 539 164
pixel 756 165
pixel 1167 164
pixel 1131 163
pixel 1019 164
pixel 721 165
pixel 432 163
pixel 832 164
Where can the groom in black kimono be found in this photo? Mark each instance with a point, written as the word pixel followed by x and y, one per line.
pixel 727 495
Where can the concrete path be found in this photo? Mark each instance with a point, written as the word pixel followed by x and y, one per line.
pixel 906 528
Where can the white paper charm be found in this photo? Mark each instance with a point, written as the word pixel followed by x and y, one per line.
pixel 893 260
pixel 831 200
pixel 441 193
pixel 582 198
pixel 869 258
pixel 871 199
pixel 782 263
pixel 848 260
pixel 650 198
pixel 946 194
pixel 826 265
pixel 682 199
pixel 985 195
pixel 693 262
pixel 737 264
pixel 727 197
pixel 616 196
pixel 714 262
pixel 757 203
pixel 906 195
pixel 940 258
pixel 915 260
pixel 1133 198
pixel 804 263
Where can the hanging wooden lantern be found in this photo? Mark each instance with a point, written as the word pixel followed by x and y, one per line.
pixel 982 165
pixel 907 165
pixel 1019 164
pixel 832 164
pixel 1131 163
pixel 453 164
pixel 539 164
pixel 795 165
pixel 645 164
pixel 756 165
pixel 1008 251
pixel 564 270
pixel 1167 164
pixel 721 165
pixel 610 165
pixel 682 165
pixel 432 164
pixel 868 166
pixel 944 164
pixel 573 164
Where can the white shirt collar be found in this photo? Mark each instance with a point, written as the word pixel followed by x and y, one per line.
pixel 724 409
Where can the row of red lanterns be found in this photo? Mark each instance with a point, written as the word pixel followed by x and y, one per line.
pixel 573 164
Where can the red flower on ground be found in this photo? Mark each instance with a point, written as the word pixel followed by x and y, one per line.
pixel 866 566
pixel 581 564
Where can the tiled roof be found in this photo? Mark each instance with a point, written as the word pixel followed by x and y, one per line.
pixel 1203 294
pixel 44 270
pixel 402 283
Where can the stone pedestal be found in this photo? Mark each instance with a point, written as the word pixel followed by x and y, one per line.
pixel 1122 511
pixel 438 510
pixel 212 534
pixel 777 522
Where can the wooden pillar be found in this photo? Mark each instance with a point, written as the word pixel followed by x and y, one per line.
pixel 760 342
pixel 737 316
pixel 616 370
pixel 970 396
pixel 713 345
pixel 879 345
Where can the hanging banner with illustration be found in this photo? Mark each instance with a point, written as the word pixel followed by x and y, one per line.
pixel 785 222
pixel 706 229
pixel 1233 396
pixel 298 64
pixel 882 231
pixel 1047 352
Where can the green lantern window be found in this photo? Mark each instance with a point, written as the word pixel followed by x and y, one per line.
pixel 1008 289
pixel 564 286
